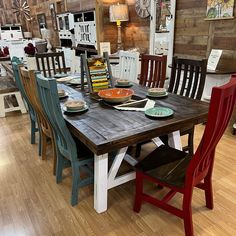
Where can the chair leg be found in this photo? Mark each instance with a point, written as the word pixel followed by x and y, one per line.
pixel 190 141
pixel 75 184
pixel 138 150
pixel 208 192
pixel 187 210
pixel 54 154
pixel 40 142
pixel 139 191
pixel 60 167
pixel 33 130
pixel 44 145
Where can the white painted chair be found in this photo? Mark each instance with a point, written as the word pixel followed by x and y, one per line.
pixel 129 65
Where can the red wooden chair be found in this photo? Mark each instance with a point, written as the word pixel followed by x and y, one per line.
pixel 181 172
pixel 153 71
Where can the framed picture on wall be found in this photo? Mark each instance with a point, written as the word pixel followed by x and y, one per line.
pixel 219 9
pixel 53 16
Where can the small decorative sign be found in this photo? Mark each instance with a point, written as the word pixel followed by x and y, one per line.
pixel 219 9
pixel 105 47
pixel 214 59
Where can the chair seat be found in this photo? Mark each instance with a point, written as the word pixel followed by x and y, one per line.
pixel 166 164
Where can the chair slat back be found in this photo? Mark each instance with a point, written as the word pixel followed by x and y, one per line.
pixel 98 77
pixel 51 63
pixel 222 103
pixel 29 84
pixel 188 77
pixel 15 63
pixel 48 95
pixel 153 71
pixel 128 63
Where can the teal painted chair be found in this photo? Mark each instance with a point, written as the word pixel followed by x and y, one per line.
pixel 33 119
pixel 68 151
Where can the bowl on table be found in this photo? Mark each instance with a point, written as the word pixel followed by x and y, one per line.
pixel 122 82
pixel 116 95
pixel 156 91
pixel 61 92
pixel 73 105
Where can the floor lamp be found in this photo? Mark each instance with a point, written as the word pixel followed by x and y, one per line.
pixel 119 13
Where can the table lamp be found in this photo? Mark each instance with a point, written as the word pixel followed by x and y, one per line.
pixel 119 13
pixel 46 34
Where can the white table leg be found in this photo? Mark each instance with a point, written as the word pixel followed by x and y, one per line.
pixel 100 182
pixel 174 140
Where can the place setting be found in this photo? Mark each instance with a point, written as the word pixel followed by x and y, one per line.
pixel 123 83
pixel 75 106
pixel 157 93
pixel 62 94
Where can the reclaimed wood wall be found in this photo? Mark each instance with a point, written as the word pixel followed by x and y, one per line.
pixel 6 16
pixel 195 36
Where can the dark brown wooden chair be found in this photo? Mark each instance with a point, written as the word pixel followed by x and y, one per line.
pixel 153 71
pixel 29 83
pixel 188 79
pixel 51 63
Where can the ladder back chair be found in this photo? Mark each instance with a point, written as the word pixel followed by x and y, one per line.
pixel 33 119
pixel 29 83
pixel 67 150
pixel 153 71
pixel 180 171
pixel 188 79
pixel 51 63
pixel 128 65
pixel 99 78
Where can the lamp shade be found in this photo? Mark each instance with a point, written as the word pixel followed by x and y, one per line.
pixel 119 12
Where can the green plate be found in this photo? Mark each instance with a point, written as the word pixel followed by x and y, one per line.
pixel 159 112
pixel 157 96
pixel 124 86
pixel 85 108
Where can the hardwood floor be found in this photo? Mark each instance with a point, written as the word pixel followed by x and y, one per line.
pixel 31 203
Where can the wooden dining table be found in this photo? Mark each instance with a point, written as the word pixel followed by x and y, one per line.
pixel 104 129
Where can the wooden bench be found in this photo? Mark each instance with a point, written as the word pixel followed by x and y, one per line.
pixel 10 97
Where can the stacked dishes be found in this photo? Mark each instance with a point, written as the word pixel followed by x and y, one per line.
pixel 123 83
pixel 75 106
pixel 157 92
pixel 62 93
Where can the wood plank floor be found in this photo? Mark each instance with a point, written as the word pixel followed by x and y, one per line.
pixel 31 203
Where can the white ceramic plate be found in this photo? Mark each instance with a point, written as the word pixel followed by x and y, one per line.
pixel 85 108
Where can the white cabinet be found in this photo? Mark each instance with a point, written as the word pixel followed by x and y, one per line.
pixel 85 28
pixel 214 80
pixel 11 32
pixel 65 22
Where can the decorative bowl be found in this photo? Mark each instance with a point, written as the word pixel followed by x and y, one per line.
pixel 156 91
pixel 116 95
pixel 61 92
pixel 75 104
pixel 122 82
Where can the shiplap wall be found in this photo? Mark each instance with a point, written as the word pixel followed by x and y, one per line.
pixel 195 37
